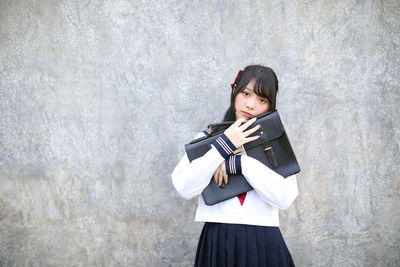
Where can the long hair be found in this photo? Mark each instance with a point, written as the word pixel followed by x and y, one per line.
pixel 266 85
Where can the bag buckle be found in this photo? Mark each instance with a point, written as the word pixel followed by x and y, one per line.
pixel 271 156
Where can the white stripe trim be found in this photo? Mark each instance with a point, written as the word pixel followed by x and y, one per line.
pixel 229 150
pixel 220 142
pixel 224 145
pixel 232 164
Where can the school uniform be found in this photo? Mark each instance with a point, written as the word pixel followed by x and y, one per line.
pixel 241 231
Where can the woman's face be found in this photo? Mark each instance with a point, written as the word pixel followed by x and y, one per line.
pixel 248 104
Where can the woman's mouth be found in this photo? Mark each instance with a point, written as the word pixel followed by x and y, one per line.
pixel 246 114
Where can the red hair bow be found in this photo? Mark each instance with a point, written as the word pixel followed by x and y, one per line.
pixel 233 85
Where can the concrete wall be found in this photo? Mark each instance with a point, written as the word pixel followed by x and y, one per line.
pixel 97 99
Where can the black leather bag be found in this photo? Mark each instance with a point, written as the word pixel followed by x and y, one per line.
pixel 272 149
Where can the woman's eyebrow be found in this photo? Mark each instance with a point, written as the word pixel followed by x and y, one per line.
pixel 249 88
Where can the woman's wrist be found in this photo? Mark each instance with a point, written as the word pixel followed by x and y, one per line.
pixel 224 146
pixel 233 164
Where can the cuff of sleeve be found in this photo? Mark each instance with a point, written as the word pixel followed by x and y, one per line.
pixel 224 146
pixel 233 164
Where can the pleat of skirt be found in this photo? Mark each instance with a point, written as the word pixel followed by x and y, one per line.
pixel 238 245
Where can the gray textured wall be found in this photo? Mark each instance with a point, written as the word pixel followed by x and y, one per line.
pixel 97 99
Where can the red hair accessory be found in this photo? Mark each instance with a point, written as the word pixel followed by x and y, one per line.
pixel 233 85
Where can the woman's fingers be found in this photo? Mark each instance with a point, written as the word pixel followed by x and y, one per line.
pixel 220 175
pixel 250 139
pixel 216 174
pixel 252 130
pixel 225 176
pixel 237 133
pixel 218 178
pixel 246 125
pixel 239 122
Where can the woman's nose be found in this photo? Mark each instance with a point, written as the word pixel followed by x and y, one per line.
pixel 250 103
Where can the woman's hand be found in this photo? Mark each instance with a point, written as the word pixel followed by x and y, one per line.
pixel 237 133
pixel 220 174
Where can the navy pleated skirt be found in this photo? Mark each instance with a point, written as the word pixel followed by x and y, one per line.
pixel 238 245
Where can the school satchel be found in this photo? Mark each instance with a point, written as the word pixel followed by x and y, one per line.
pixel 272 149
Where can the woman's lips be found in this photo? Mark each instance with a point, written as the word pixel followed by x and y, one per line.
pixel 246 114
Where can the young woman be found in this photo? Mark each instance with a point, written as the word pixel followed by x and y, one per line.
pixel 244 230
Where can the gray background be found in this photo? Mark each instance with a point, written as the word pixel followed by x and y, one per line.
pixel 97 99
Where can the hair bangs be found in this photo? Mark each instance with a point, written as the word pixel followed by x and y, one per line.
pixel 264 87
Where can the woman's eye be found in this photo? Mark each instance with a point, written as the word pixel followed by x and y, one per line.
pixel 246 93
pixel 262 101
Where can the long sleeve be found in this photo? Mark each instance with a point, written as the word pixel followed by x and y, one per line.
pixel 269 185
pixel 190 178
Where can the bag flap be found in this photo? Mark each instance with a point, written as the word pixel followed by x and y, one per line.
pixel 271 126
